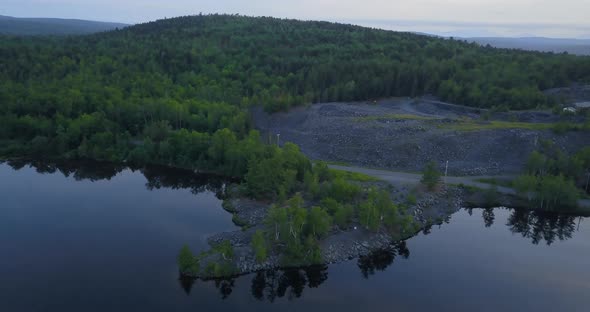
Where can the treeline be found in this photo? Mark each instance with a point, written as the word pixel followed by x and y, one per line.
pixel 554 180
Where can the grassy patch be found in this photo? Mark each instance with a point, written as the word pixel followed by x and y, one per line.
pixel 468 188
pixel 338 163
pixel 394 117
pixel 498 182
pixel 352 176
pixel 495 125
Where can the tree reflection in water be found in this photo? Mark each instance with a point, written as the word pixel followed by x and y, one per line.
pixel 379 260
pixel 537 226
pixel 541 225
pixel 290 283
pixel 270 285
pixel 157 176
pixel 488 216
pixel 186 283
pixel 225 286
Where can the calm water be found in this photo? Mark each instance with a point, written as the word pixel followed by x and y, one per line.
pixel 103 238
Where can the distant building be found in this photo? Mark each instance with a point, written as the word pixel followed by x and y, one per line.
pixel 582 105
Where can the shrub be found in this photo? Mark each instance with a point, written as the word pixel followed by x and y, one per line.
pixel 411 199
pixel 330 204
pixel 187 263
pixel 343 215
pixel 259 246
pixel 431 175
pixel 343 191
pixel 225 249
pixel 322 171
pixel 319 222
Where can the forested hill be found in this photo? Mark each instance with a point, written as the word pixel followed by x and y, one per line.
pixel 282 63
pixel 175 91
pixel 52 26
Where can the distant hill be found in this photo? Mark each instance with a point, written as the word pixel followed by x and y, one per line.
pixel 276 63
pixel 572 46
pixel 52 26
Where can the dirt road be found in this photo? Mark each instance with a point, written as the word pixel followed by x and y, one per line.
pixel 414 178
pixel 405 177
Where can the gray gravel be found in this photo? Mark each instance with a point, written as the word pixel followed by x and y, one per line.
pixel 341 132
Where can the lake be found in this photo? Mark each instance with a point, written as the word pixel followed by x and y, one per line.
pixel 99 237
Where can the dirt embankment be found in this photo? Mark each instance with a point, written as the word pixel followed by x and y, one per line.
pixel 404 134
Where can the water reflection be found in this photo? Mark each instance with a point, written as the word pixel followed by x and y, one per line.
pixel 267 286
pixel 379 260
pixel 540 225
pixel 157 176
pixel 225 286
pixel 488 217
pixel 289 283
pixel 186 283
pixel 79 170
pixel 536 225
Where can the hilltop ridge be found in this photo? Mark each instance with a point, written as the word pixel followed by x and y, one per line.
pixel 52 26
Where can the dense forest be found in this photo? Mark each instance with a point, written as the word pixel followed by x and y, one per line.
pixel 176 91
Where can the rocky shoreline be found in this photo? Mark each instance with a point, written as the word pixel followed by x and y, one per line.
pixel 341 244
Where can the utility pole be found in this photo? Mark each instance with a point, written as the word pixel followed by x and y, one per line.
pixel 446 171
pixel 278 139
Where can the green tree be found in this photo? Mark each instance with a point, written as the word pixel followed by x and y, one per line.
pixel 313 253
pixel 536 164
pixel 583 158
pixel 343 215
pixel 187 263
pixel 526 186
pixel 556 192
pixel 322 170
pixel 369 213
pixel 264 177
pixel 319 221
pixel 297 216
pixel 276 223
pixel 259 246
pixel 225 249
pixel 342 191
pixel 431 175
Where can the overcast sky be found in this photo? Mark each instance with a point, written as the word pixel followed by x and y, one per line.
pixel 552 18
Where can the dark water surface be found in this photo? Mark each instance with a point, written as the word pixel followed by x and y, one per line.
pixel 105 238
